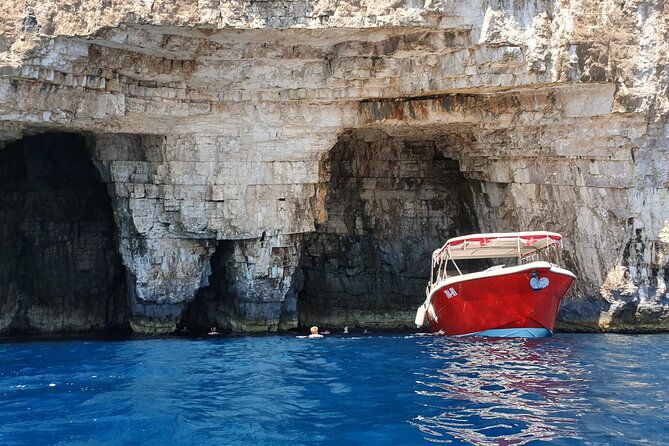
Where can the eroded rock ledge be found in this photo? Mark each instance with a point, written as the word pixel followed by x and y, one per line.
pixel 259 165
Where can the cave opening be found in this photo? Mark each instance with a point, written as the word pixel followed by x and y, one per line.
pixel 253 287
pixel 390 202
pixel 60 270
pixel 213 304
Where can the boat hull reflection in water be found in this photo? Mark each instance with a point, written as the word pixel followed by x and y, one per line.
pixel 513 390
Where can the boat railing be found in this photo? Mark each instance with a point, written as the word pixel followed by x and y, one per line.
pixel 550 254
pixel 441 273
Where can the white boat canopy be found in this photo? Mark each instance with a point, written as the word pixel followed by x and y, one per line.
pixel 499 245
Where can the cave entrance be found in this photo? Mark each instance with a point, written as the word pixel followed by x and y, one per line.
pixel 253 287
pixel 390 203
pixel 60 271
pixel 213 304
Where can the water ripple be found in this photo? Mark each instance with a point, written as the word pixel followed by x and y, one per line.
pixel 376 389
pixel 509 390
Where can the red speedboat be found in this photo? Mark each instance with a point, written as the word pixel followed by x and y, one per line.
pixel 506 301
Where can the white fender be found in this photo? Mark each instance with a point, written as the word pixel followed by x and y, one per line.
pixel 420 316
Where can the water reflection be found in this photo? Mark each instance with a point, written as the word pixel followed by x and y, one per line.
pixel 501 391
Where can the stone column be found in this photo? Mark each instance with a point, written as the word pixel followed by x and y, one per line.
pixel 254 285
pixel 165 251
pixel 163 276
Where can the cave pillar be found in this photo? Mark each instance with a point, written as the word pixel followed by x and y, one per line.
pixel 163 276
pixel 160 228
pixel 261 282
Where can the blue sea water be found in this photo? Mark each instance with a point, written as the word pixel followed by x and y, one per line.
pixel 397 389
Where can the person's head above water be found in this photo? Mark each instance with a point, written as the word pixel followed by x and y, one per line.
pixel 314 330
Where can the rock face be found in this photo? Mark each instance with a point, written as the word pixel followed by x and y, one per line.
pixel 270 164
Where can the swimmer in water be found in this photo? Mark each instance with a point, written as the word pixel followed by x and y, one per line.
pixel 314 332
pixel 346 329
pixel 213 331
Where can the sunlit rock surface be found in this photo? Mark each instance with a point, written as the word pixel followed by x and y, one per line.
pixel 317 151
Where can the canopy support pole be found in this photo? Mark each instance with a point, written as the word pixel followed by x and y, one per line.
pixel 456 266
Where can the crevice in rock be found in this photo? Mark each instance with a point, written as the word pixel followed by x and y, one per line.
pixel 213 304
pixel 60 271
pixel 253 287
pixel 390 202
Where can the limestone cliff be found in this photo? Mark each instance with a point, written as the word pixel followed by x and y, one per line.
pixel 274 163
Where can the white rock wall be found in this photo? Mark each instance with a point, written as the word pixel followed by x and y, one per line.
pixel 209 122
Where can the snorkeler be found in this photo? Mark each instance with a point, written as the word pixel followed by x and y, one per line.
pixel 314 333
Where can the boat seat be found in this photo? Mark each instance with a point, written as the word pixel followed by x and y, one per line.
pixel 493 268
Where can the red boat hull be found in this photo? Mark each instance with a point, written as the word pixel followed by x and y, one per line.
pixel 503 300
